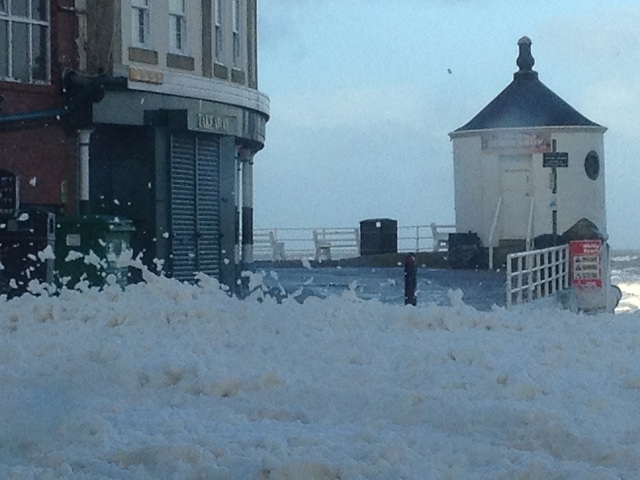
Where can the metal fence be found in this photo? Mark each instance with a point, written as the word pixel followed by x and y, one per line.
pixel 537 273
pixel 302 243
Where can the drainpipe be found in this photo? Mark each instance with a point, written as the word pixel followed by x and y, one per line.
pixel 246 157
pixel 80 90
pixel 237 202
pixel 31 116
pixel 84 139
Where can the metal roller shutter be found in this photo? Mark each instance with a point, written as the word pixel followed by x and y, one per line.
pixel 208 219
pixel 183 206
pixel 195 205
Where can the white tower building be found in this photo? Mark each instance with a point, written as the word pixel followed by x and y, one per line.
pixel 503 190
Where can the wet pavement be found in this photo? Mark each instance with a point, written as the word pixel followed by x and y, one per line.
pixel 480 289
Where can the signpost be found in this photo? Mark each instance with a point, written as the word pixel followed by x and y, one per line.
pixel 555 160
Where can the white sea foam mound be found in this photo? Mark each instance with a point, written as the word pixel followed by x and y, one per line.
pixel 172 381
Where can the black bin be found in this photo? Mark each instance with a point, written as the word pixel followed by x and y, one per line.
pixel 378 235
pixel 27 246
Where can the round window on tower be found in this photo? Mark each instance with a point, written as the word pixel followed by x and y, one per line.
pixel 592 165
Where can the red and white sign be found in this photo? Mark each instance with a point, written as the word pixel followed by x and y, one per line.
pixel 585 258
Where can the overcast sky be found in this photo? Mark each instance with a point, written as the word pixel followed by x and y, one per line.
pixel 364 93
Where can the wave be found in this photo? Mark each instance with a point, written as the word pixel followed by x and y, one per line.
pixel 630 301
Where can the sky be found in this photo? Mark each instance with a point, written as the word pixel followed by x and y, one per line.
pixel 365 92
pixel 179 381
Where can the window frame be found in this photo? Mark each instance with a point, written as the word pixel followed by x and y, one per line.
pixel 236 34
pixel 178 27
pixel 218 34
pixel 141 12
pixel 33 25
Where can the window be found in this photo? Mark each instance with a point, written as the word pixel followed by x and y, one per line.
pixel 4 48
pixel 178 25
pixel 24 40
pixel 236 33
pixel 218 31
pixel 592 165
pixel 140 23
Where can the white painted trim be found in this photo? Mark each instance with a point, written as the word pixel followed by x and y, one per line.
pixel 560 128
pixel 202 88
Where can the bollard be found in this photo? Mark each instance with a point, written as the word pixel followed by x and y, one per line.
pixel 410 273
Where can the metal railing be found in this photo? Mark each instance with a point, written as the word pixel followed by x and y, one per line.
pixel 529 244
pixel 492 232
pixel 536 274
pixel 299 243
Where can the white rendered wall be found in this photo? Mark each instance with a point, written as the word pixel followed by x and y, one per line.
pixel 160 31
pixel 159 78
pixel 578 195
pixel 477 180
pixel 467 169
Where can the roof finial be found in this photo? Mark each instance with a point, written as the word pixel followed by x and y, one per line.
pixel 525 60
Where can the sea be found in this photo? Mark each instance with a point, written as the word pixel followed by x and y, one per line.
pixel 625 272
pixel 481 289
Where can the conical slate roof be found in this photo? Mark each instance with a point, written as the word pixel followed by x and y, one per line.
pixel 526 102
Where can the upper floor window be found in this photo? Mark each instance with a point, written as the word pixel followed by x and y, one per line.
pixel 236 33
pixel 140 23
pixel 24 40
pixel 217 38
pixel 178 25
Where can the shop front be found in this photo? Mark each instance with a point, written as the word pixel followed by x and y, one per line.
pixel 173 167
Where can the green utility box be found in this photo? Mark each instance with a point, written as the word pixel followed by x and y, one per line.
pixel 90 247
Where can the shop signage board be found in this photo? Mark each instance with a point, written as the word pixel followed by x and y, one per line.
pixel 516 142
pixel 212 123
pixel 585 258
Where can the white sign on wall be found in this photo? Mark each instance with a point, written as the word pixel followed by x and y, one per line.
pixel 516 142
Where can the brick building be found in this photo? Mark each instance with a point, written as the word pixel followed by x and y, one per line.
pixel 37 43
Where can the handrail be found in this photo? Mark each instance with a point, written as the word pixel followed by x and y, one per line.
pixel 299 242
pixel 492 232
pixel 529 245
pixel 327 239
pixel 440 238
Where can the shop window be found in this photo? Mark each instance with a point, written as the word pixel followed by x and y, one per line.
pixel 24 41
